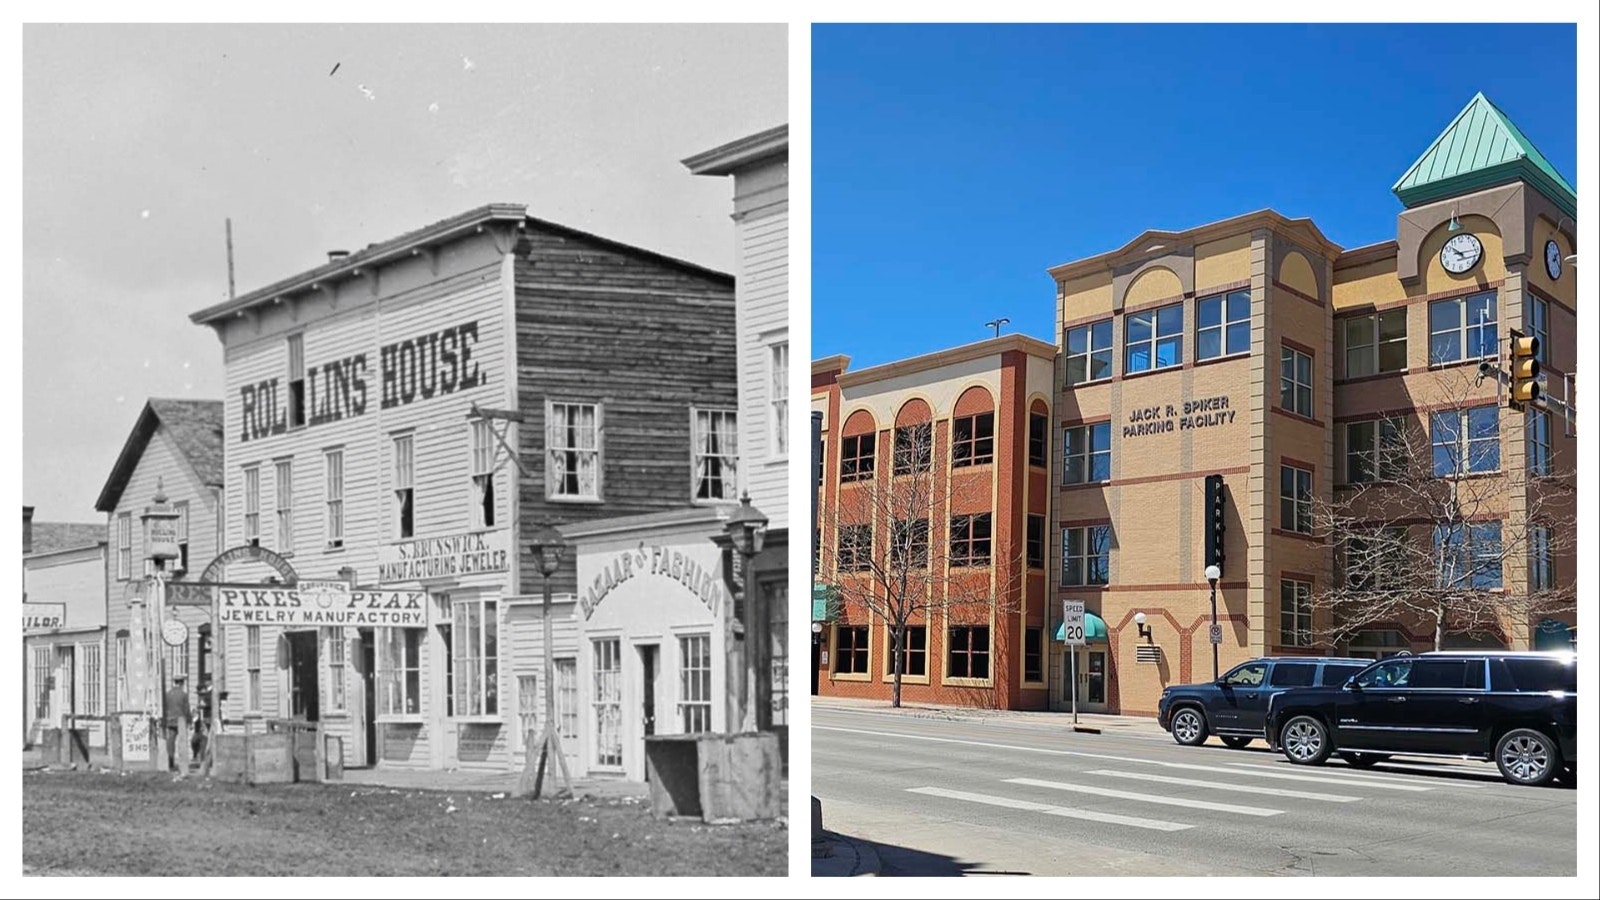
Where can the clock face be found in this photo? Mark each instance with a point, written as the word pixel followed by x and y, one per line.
pixel 1552 259
pixel 1460 253
pixel 174 632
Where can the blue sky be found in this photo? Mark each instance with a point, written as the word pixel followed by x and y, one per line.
pixel 952 164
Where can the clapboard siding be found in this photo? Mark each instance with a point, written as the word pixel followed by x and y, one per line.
pixel 163 464
pixel 524 641
pixel 643 337
pixel 763 296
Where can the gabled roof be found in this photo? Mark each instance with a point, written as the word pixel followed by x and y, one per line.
pixel 196 429
pixel 1481 148
pixel 50 537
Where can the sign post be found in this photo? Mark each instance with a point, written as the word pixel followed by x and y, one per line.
pixel 1072 632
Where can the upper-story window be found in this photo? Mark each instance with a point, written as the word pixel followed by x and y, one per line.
pixel 1222 326
pixel 573 467
pixel 972 440
pixel 856 457
pixel 780 398
pixel 297 380
pixel 716 454
pixel 124 545
pixel 1466 441
pixel 1375 450
pixel 1538 430
pixel 908 544
pixel 1295 395
pixel 1035 548
pixel 252 505
pixel 855 548
pixel 182 509
pixel 483 453
pixel 1086 453
pixel 333 466
pixel 405 518
pixel 913 448
pixel 1088 356
pixel 1294 499
pixel 1375 343
pixel 1462 328
pixel 1541 561
pixel 284 483
pixel 1038 439
pixel 1154 339
pixel 970 540
pixel 1086 555
pixel 1468 555
pixel 1539 326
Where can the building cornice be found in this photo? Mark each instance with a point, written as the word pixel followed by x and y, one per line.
pixel 695 517
pixel 1371 253
pixel 992 347
pixel 838 363
pixel 743 152
pixel 1141 247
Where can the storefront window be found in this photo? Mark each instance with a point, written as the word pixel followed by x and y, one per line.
pixel 969 651
pixel 252 666
pixel 475 653
pixel 850 649
pixel 399 674
pixel 41 682
pixel 913 650
pixel 336 656
pixel 694 683
pixel 121 663
pixel 608 702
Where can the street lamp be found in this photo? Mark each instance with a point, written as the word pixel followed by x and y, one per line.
pixel 1212 574
pixel 1138 621
pixel 160 523
pixel 549 547
pixel 747 530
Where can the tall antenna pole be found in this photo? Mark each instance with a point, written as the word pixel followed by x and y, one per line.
pixel 228 224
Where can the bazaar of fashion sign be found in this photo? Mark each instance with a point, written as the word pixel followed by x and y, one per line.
pixel 322 606
pixel 417 368
pixel 1204 413
pixel 660 563
pixel 446 557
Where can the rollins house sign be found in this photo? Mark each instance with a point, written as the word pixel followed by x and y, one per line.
pixel 445 557
pixel 1206 412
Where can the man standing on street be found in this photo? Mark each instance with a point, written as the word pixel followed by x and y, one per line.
pixel 177 725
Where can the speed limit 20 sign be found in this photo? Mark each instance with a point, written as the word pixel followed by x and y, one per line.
pixel 1072 622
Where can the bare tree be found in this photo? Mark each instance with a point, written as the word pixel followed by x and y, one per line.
pixel 907 546
pixel 1427 529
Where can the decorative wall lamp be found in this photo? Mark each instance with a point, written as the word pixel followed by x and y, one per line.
pixel 1144 630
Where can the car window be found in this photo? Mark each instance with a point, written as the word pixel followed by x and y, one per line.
pixel 1533 674
pixel 1293 674
pixel 1390 673
pixel 1443 673
pixel 1334 674
pixel 1248 675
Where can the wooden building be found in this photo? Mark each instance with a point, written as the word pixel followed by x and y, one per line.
pixel 358 451
pixel 64 585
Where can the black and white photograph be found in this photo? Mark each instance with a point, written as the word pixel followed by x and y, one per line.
pixel 405 450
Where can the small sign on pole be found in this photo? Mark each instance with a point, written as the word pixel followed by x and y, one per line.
pixel 1216 633
pixel 1072 633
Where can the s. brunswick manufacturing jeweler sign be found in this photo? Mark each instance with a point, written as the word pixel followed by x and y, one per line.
pixel 1203 413
pixel 445 557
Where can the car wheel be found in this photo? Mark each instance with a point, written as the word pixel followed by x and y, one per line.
pixel 1363 760
pixel 1526 756
pixel 1305 741
pixel 1236 742
pixel 1189 727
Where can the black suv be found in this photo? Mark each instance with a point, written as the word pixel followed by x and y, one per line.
pixel 1234 706
pixel 1519 709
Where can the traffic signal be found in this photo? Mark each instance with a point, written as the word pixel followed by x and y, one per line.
pixel 1216 520
pixel 1525 387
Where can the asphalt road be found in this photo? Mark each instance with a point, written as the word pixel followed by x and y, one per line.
pixel 956 796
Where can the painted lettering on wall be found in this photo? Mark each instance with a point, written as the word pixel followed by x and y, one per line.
pixel 432 365
pixel 658 562
pixel 414 369
pixel 1207 412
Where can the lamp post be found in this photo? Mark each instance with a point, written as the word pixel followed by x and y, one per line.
pixel 548 549
pixel 160 523
pixel 747 529
pixel 1212 574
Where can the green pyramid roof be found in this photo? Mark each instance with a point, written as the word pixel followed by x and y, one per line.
pixel 1481 149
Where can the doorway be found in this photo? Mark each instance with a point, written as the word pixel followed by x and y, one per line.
pixel 304 690
pixel 650 672
pixel 366 698
pixel 1091 672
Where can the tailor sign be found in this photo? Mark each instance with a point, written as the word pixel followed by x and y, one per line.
pixel 322 606
pixel 43 616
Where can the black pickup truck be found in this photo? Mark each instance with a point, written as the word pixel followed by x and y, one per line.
pixel 1519 709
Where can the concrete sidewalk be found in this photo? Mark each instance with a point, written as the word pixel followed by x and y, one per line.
pixel 835 855
pixel 1089 723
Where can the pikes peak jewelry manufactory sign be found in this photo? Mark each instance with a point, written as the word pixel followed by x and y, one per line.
pixel 1207 412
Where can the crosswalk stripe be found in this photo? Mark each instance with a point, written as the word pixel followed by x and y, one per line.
pixel 1147 798
pixel 1291 776
pixel 1223 786
pixel 1045 808
pixel 1365 776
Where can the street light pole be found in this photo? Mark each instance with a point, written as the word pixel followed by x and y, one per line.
pixel 1212 574
pixel 548 548
pixel 747 530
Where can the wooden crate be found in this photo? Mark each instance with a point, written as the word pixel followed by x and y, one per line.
pixel 718 777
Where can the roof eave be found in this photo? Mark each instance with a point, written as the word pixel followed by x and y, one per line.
pixel 737 154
